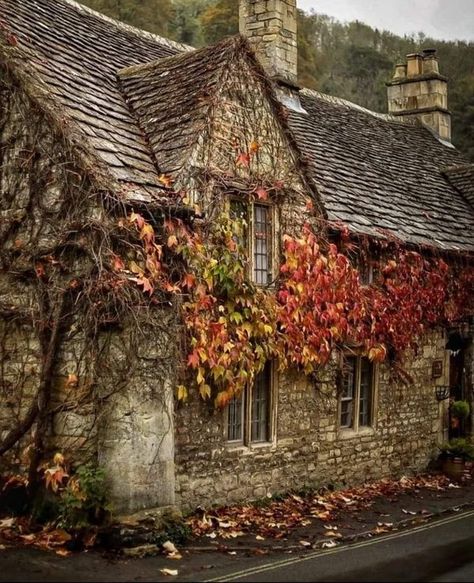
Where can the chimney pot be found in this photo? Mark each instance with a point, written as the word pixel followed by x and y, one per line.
pixel 400 71
pixel 430 61
pixel 414 64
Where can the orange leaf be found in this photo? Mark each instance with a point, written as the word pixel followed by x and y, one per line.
pixel 254 147
pixel 189 280
pixel 166 180
pixel 71 380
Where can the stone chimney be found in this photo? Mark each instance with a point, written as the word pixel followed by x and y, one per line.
pixel 417 90
pixel 271 27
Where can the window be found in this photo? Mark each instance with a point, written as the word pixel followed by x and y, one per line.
pixel 357 394
pixel 249 415
pixel 257 237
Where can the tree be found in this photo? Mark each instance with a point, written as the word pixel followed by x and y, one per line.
pixel 220 19
pixel 152 15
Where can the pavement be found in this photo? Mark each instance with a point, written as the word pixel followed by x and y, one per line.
pixel 389 531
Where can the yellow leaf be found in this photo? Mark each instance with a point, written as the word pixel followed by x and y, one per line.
pixel 58 459
pixel 200 376
pixel 147 232
pixel 134 268
pixel 182 393
pixel 205 391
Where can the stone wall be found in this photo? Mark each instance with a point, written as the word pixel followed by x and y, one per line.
pixel 136 423
pixel 309 448
pixel 112 390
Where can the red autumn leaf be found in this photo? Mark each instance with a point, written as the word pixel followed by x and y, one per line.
pixel 39 270
pixel 261 193
pixel 117 263
pixel 193 359
pixel 243 159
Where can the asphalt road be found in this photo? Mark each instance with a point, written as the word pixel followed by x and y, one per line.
pixel 441 550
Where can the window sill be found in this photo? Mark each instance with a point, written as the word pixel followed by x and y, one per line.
pixel 348 433
pixel 250 448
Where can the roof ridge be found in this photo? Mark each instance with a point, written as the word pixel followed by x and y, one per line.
pixel 352 105
pixel 128 27
pixel 227 42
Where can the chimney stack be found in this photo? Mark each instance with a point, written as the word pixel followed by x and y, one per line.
pixel 417 90
pixel 271 27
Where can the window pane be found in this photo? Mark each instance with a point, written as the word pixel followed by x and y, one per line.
pixel 261 393
pixel 235 418
pixel 262 244
pixel 239 211
pixel 348 391
pixel 365 401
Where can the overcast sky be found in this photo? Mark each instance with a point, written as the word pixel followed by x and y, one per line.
pixel 441 19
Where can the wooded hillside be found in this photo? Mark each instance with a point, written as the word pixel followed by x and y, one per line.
pixel 349 60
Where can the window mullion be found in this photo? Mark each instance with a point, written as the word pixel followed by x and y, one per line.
pixel 252 241
pixel 357 394
pixel 248 416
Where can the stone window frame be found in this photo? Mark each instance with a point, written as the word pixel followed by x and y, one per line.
pixel 356 428
pixel 245 441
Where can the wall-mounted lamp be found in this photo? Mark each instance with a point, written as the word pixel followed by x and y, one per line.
pixel 442 392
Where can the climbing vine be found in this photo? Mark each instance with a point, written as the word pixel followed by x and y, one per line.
pixel 317 305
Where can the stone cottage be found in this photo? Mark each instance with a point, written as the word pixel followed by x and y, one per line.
pixel 100 118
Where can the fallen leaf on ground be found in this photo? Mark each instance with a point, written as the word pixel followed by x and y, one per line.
pixel 171 572
pixel 169 547
pixel 329 545
pixel 63 552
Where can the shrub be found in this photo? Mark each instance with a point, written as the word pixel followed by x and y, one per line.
pixel 460 409
pixel 458 447
pixel 84 501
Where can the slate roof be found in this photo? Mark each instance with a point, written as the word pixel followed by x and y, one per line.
pixel 382 176
pixel 171 99
pixel 462 178
pixel 376 174
pixel 77 53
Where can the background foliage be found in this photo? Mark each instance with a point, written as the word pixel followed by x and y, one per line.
pixel 350 60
